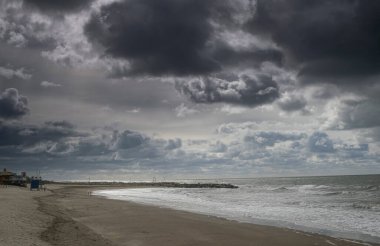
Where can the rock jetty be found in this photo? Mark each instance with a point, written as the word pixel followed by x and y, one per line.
pixel 151 184
pixel 194 185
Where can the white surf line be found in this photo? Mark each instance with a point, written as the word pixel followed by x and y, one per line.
pixel 356 242
pixel 329 242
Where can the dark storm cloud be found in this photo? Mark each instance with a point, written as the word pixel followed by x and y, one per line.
pixel 159 37
pixel 246 90
pixel 12 104
pixel 92 148
pixel 14 133
pixel 354 114
pixel 327 38
pixel 374 134
pixel 228 56
pixel 128 139
pixel 58 5
pixel 83 148
pixel 354 151
pixel 173 144
pixel 170 37
pixel 60 124
pixel 359 147
pixel 62 142
pixel 319 142
pixel 62 139
pixel 293 103
pixel 130 150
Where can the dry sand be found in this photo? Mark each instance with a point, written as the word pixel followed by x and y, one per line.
pixel 69 216
pixel 20 221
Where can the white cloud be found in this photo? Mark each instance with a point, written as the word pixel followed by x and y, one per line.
pixel 64 55
pixel 134 110
pixel 10 73
pixel 228 109
pixel 17 39
pixel 47 84
pixel 183 111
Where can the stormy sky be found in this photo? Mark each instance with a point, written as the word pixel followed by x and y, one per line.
pixel 135 89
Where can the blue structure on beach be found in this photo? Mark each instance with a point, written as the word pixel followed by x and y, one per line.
pixel 35 183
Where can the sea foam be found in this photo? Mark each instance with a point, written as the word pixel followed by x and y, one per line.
pixel 338 209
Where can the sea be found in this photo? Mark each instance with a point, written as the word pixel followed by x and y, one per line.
pixel 338 206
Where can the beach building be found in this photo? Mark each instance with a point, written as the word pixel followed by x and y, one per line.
pixel 5 176
pixel 10 178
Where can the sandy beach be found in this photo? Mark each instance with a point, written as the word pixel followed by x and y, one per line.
pixel 190 122
pixel 21 222
pixel 70 216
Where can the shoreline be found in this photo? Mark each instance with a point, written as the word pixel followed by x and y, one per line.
pixel 359 237
pixel 96 220
pixel 353 236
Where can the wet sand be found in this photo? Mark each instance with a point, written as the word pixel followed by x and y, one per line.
pixel 68 215
pixel 81 219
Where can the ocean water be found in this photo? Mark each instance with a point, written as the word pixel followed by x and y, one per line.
pixel 340 206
